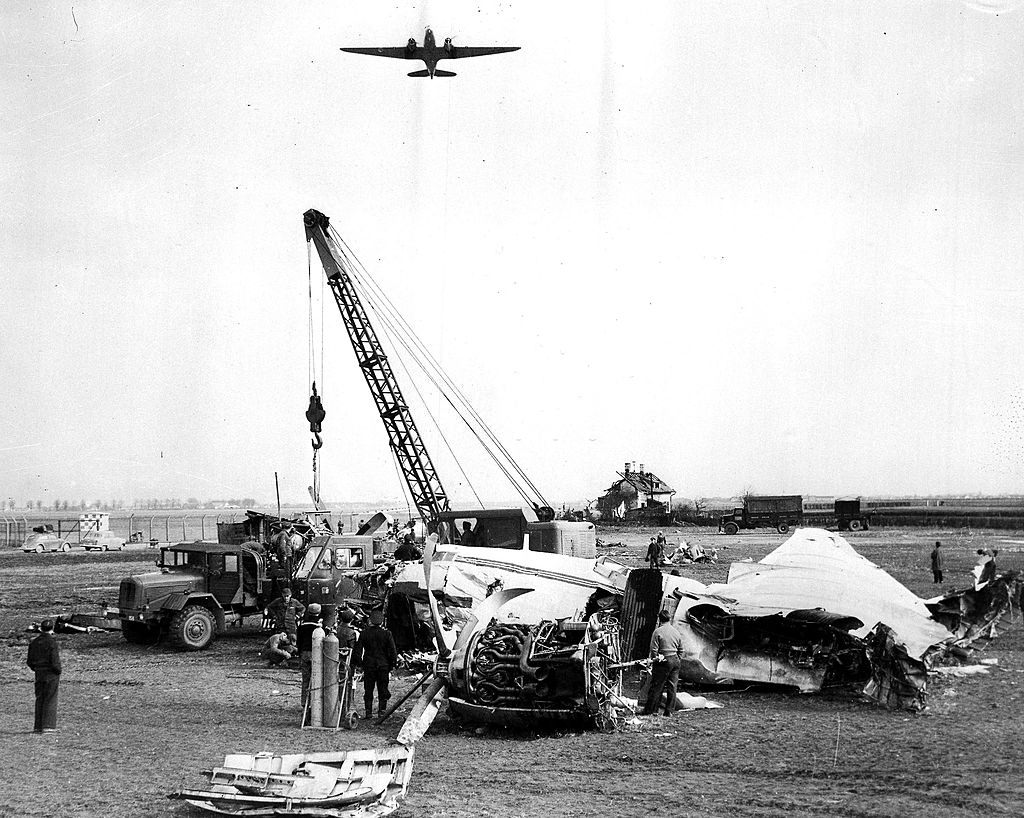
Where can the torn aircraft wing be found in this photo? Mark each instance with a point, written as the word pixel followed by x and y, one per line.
pixel 819 569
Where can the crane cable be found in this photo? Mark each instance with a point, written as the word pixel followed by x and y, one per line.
pixel 380 310
pixel 396 337
pixel 395 341
pixel 423 359
pixel 432 361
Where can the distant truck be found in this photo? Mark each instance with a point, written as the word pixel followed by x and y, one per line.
pixel 202 587
pixel 847 514
pixel 780 512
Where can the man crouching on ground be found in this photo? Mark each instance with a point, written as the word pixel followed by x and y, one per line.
pixel 278 648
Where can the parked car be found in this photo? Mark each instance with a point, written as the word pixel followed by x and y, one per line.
pixel 103 541
pixel 44 538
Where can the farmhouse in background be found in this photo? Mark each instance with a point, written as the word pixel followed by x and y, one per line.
pixel 637 494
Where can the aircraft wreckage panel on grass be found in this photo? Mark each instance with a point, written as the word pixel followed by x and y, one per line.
pixel 819 569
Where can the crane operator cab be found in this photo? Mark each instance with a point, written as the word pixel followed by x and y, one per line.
pixel 516 529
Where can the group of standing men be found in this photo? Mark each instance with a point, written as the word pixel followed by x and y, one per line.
pixel 373 650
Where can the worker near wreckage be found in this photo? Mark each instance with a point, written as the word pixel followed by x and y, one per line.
pixel 44 659
pixel 666 648
pixel 375 653
pixel 936 558
pixel 655 553
pixel 286 612
pixel 310 622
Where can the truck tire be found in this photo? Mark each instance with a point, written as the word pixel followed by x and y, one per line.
pixel 856 524
pixel 139 633
pixel 782 528
pixel 65 547
pixel 193 628
pixel 731 528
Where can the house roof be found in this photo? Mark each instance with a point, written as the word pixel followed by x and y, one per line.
pixel 648 482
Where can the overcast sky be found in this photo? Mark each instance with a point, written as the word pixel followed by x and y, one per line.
pixel 772 246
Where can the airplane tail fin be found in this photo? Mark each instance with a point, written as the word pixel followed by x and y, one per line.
pixel 437 73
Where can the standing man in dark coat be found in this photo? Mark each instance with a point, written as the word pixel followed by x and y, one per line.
pixel 44 659
pixel 937 563
pixel 375 653
pixel 655 553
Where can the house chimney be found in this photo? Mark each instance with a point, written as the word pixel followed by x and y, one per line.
pixel 634 465
pixel 641 469
pixel 625 468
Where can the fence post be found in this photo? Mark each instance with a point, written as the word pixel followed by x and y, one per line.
pixel 131 525
pixel 167 528
pixel 7 529
pixel 151 519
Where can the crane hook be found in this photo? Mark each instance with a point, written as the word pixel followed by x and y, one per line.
pixel 315 414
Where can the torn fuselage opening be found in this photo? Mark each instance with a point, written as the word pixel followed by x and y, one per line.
pixel 806 649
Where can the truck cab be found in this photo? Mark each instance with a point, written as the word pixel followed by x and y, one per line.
pixel 201 587
pixel 339 567
pixel 516 529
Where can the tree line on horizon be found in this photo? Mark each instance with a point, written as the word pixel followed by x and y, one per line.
pixel 165 504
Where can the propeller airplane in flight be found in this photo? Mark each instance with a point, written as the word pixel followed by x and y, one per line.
pixel 431 53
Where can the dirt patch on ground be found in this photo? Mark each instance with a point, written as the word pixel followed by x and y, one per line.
pixel 137 722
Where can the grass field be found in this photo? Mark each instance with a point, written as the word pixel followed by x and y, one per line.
pixel 137 722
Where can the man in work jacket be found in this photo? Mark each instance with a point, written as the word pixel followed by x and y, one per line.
pixel 44 659
pixel 375 653
pixel 666 647
pixel 287 613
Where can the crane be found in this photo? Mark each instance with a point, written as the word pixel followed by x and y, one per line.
pixel 428 494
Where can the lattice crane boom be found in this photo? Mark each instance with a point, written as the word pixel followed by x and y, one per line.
pixel 414 461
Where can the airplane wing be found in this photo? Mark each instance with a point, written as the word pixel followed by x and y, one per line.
pixel 400 52
pixel 478 51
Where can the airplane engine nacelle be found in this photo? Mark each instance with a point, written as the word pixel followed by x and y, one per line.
pixel 411 45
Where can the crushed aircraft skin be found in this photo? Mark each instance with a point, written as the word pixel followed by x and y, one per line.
pixel 819 569
pixel 812 614
pixel 357 784
pixel 977 615
pixel 897 680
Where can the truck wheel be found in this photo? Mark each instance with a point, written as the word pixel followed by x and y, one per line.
pixel 139 633
pixel 731 528
pixel 193 628
pixel 782 528
pixel 65 547
pixel 856 525
pixel 39 549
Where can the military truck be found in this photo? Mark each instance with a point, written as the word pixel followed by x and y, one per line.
pixel 202 587
pixel 766 511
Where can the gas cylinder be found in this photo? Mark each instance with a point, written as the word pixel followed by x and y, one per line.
pixel 316 680
pixel 330 679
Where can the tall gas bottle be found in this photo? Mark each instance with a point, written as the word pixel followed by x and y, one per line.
pixel 330 679
pixel 316 681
